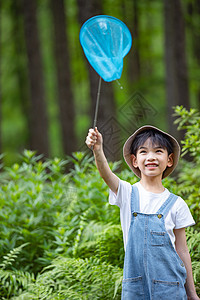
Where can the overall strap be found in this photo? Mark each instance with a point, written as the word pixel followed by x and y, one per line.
pixel 135 204
pixel 165 207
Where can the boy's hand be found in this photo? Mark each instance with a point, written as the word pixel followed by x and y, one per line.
pixel 94 139
pixel 193 298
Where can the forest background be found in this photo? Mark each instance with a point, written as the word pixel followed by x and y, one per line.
pixel 59 237
pixel 48 89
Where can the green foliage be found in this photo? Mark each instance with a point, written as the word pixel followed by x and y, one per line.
pixel 10 257
pixel 189 177
pixel 193 242
pixel 188 184
pixel 190 121
pixel 31 201
pixel 148 45
pixel 46 214
pixel 76 279
pixel 60 239
pixel 13 281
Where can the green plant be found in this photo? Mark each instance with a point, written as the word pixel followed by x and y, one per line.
pixel 13 281
pixel 54 213
pixel 32 197
pixel 75 279
pixel 189 120
pixel 193 242
pixel 61 228
pixel 189 176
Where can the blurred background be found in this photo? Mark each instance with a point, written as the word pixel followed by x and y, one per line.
pixel 48 89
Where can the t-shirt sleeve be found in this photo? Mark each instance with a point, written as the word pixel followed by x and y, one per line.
pixel 183 215
pixel 122 195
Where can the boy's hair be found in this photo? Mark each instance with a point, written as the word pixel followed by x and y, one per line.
pixel 157 138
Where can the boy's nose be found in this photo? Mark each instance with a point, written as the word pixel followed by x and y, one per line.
pixel 150 156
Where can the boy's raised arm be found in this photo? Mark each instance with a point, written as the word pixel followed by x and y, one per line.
pixel 94 140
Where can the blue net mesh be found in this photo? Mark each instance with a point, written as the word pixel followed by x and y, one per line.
pixel 105 41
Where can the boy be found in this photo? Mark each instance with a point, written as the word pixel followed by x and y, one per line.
pixel 157 263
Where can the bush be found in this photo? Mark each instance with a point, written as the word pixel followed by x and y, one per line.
pixel 59 237
pixel 32 202
pixel 81 279
pixel 47 214
pixel 189 177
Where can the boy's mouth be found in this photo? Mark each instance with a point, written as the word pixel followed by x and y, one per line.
pixel 151 165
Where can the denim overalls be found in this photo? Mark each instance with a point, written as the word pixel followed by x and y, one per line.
pixel 152 268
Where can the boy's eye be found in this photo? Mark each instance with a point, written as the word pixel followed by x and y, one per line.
pixel 159 150
pixel 142 151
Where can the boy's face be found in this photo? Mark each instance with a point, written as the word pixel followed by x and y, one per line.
pixel 152 160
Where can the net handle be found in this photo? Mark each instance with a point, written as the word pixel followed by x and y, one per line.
pixel 97 103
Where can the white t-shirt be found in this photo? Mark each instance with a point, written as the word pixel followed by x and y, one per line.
pixel 179 215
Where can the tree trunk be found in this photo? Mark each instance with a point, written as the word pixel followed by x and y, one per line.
pixel 175 58
pixel 0 84
pixel 38 113
pixel 194 25
pixel 136 69
pixel 20 69
pixel 107 123
pixel 134 65
pixel 66 104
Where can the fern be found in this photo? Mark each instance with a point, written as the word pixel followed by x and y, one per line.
pixel 193 242
pixel 10 258
pixel 77 279
pixel 13 281
pixel 75 240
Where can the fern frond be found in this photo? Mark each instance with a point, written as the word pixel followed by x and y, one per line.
pixel 11 256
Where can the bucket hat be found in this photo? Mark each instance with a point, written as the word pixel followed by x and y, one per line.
pixel 127 150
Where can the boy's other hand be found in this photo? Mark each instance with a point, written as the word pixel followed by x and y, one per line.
pixel 193 298
pixel 94 139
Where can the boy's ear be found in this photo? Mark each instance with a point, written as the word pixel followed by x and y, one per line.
pixel 170 160
pixel 134 161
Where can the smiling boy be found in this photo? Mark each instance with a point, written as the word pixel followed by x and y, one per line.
pixel 157 261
